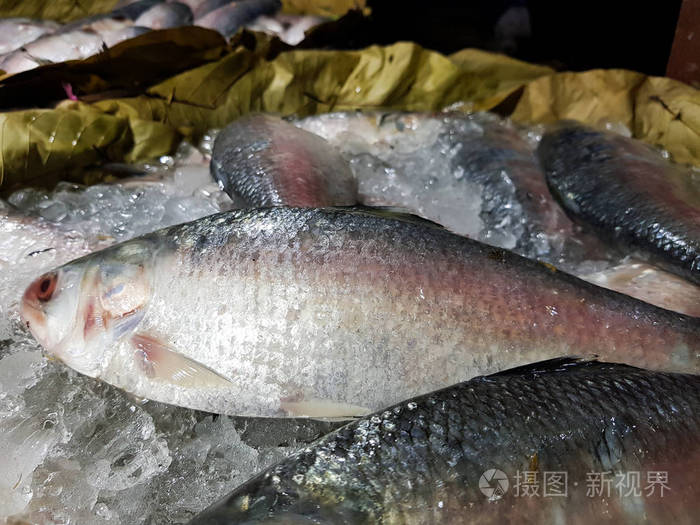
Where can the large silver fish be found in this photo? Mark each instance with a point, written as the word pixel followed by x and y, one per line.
pixel 517 209
pixel 327 313
pixel 557 442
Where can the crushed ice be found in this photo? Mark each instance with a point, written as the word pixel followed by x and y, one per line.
pixel 461 171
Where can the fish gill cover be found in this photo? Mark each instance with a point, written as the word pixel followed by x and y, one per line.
pixel 183 82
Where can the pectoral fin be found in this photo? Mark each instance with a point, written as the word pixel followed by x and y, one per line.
pixel 160 362
pixel 321 408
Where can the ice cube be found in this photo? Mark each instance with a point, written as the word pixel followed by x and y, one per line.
pixel 52 210
pixel 188 178
pixel 27 199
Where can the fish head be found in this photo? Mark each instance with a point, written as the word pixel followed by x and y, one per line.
pixel 79 311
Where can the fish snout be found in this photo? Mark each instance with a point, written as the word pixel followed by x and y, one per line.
pixel 32 307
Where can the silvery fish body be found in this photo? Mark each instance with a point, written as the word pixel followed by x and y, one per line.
pixel 324 312
pixel 264 161
pixel 166 15
pixel 396 159
pixel 50 48
pixel 232 16
pixel 560 442
pixel 15 32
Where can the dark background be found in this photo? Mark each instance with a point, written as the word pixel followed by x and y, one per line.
pixel 564 34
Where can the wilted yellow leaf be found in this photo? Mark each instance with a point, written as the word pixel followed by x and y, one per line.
pixel 493 77
pixel 61 10
pixel 667 114
pixel 592 96
pixel 403 76
pixel 321 7
pixel 35 144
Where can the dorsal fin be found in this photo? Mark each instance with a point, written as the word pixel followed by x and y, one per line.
pixel 389 212
pixel 558 364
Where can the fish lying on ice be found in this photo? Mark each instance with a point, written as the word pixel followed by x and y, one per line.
pixel 627 192
pixel 505 166
pixel 562 441
pixel 265 161
pixel 323 312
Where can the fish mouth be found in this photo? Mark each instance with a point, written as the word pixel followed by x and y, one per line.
pixel 33 318
pixel 31 310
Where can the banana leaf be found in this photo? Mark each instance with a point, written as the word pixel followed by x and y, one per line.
pixel 660 111
pixel 37 145
pixel 330 8
pixel 59 10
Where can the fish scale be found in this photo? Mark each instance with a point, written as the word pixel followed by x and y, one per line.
pixel 330 312
pixel 421 460
pixel 265 161
pixel 627 192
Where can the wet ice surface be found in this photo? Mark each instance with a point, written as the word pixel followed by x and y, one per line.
pixel 74 449
pixel 81 451
pixel 133 207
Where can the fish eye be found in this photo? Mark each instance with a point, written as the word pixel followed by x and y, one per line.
pixel 116 290
pixel 46 287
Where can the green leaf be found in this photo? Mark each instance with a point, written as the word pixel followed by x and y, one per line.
pixel 39 145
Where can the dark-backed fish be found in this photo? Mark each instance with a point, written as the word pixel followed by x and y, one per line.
pixel 627 192
pixel 265 161
pixel 561 441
